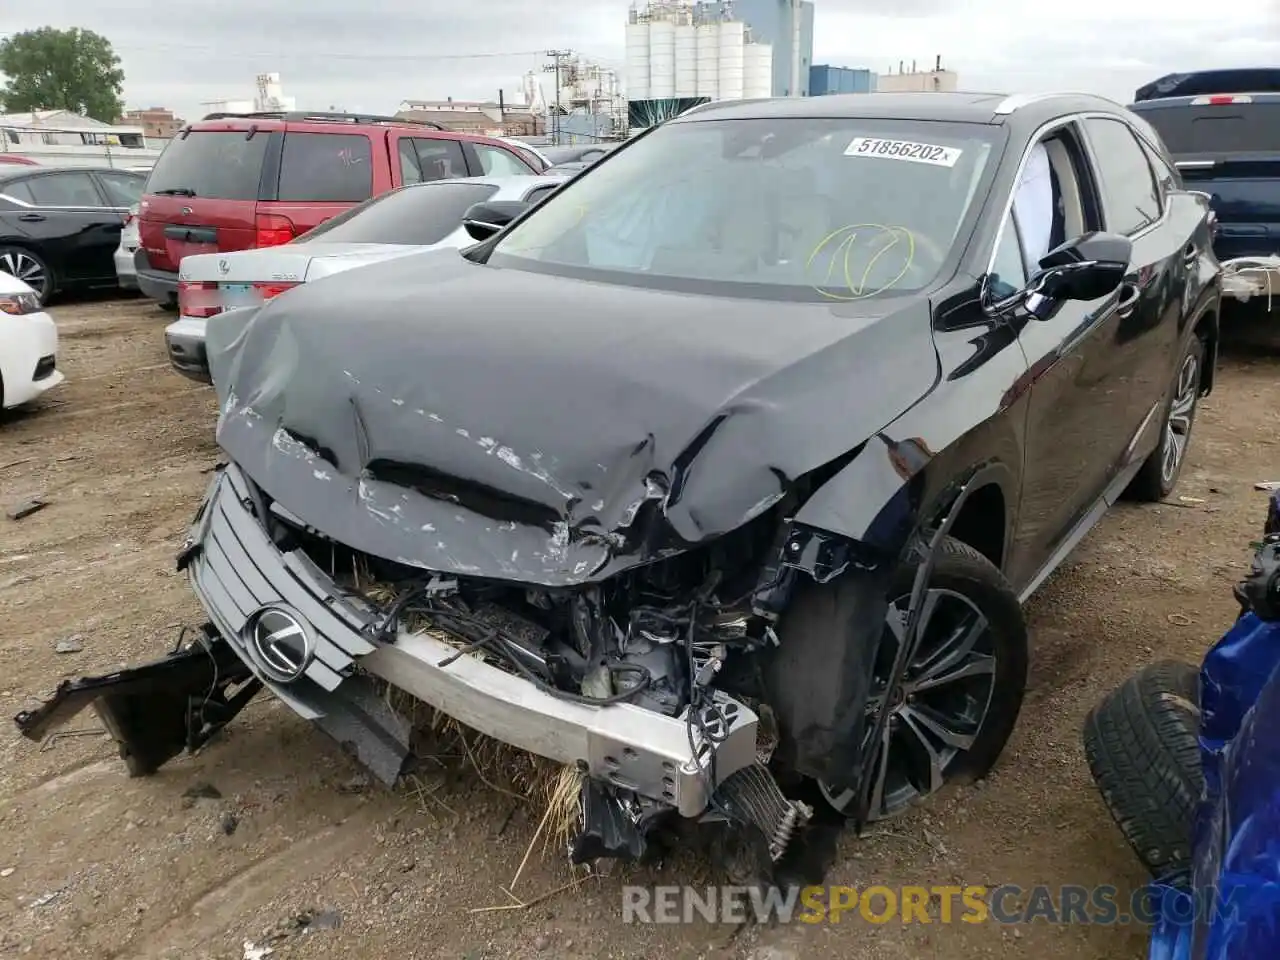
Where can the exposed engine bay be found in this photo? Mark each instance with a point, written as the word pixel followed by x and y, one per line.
pixel 678 637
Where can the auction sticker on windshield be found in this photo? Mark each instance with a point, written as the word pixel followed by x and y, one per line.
pixel 903 150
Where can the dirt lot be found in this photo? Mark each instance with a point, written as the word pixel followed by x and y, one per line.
pixel 93 864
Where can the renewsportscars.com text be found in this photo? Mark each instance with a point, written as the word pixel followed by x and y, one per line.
pixel 1005 904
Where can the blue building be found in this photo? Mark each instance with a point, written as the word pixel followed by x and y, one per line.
pixel 772 22
pixel 824 79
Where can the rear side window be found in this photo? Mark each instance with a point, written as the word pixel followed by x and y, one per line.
pixel 496 162
pixel 1216 128
pixel 211 165
pixel 65 190
pixel 123 189
pixel 423 159
pixel 1129 190
pixel 326 168
pixel 421 214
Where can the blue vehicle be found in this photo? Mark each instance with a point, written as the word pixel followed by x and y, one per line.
pixel 1222 128
pixel 1188 764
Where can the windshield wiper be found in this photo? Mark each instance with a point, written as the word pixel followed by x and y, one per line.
pixel 175 192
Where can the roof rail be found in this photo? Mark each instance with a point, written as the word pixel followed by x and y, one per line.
pixel 322 117
pixel 1017 101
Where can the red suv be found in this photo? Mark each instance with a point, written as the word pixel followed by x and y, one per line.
pixel 237 181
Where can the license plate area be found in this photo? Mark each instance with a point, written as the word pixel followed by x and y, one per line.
pixel 233 295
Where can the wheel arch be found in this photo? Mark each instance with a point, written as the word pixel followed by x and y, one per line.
pixel 1206 328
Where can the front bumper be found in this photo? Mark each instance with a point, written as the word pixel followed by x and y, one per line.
pixel 28 363
pixel 184 341
pixel 236 570
pixel 159 285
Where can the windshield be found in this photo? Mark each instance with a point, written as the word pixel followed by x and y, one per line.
pixel 804 208
pixel 423 213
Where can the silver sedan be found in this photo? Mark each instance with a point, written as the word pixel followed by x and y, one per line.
pixel 408 220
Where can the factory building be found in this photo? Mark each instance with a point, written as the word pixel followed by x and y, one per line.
pixel 908 79
pixel 680 54
pixel 825 79
pixel 787 26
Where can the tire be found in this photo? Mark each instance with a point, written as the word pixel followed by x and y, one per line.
pixel 988 703
pixel 1155 480
pixel 1143 750
pixel 30 267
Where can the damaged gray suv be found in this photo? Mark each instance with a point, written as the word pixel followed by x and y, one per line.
pixel 719 478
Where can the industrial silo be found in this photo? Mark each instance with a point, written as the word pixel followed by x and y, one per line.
pixel 732 42
pixel 708 48
pixel 686 60
pixel 757 59
pixel 637 65
pixel 662 60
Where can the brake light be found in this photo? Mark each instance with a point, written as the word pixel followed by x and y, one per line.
pixel 269 290
pixel 198 298
pixel 1221 99
pixel 207 298
pixel 272 230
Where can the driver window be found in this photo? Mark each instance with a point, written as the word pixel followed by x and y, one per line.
pixel 1033 207
pixel 1048 203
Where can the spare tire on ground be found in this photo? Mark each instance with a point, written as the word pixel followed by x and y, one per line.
pixel 1142 744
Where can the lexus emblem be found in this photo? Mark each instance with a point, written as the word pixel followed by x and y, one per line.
pixel 281 643
pixel 223 267
pixel 186 211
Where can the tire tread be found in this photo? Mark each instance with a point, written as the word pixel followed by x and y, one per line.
pixel 1144 754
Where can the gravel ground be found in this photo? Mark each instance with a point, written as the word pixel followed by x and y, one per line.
pixel 93 864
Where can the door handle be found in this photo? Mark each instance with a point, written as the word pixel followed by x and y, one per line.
pixel 31 217
pixel 1128 301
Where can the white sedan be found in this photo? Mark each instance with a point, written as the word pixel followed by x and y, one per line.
pixel 408 220
pixel 28 344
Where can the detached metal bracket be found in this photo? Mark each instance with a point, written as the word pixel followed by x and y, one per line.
pixel 929 551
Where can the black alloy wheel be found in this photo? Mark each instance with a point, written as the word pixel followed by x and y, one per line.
pixel 960 697
pixel 28 267
pixel 1159 473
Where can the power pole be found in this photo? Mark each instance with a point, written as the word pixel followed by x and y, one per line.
pixel 554 67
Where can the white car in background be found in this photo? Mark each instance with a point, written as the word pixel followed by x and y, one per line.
pixel 28 345
pixel 126 273
pixel 410 219
pixel 543 160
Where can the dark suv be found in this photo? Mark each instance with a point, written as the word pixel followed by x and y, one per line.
pixel 236 181
pixel 1217 125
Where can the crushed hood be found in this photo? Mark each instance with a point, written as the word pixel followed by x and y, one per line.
pixel 463 418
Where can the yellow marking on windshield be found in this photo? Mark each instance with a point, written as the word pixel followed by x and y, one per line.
pixel 849 236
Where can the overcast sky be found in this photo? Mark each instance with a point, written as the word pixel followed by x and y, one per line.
pixel 370 56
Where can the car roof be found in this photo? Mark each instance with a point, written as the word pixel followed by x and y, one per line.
pixel 961 107
pixel 321 122
pixel 18 170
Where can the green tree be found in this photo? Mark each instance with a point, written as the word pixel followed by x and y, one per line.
pixel 50 69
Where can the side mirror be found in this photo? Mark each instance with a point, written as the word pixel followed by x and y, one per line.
pixel 1086 268
pixel 482 220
